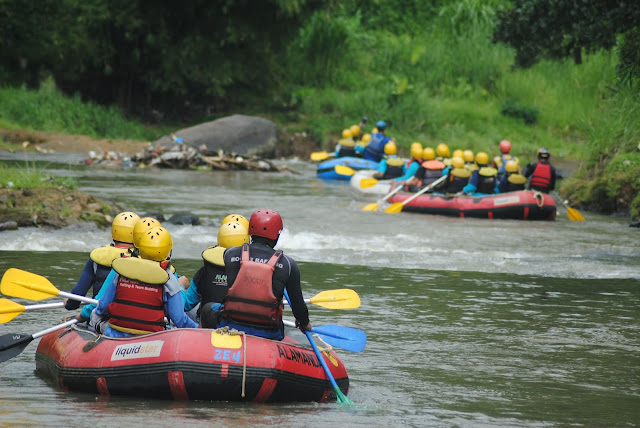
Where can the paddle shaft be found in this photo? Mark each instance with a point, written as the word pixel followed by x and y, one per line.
pixel 393 192
pixel 438 181
pixel 341 398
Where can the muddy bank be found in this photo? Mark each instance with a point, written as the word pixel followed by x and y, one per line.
pixel 53 207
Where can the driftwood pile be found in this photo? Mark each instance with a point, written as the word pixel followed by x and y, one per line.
pixel 184 156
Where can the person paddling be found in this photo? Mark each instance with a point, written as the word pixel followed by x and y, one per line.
pixel 258 276
pixel 97 268
pixel 209 285
pixel 142 289
pixel 541 174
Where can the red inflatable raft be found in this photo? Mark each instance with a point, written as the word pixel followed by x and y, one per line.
pixel 521 205
pixel 188 364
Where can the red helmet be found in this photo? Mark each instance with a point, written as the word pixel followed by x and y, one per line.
pixel 505 146
pixel 266 223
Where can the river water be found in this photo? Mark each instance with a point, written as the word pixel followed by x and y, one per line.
pixel 470 322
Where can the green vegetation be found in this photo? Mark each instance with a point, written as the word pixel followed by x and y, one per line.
pixel 48 109
pixel 30 177
pixel 428 68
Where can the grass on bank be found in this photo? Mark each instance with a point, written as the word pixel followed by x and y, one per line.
pixel 31 177
pixel 47 109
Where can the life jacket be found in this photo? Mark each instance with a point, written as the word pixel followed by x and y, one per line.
pixel 515 182
pixel 471 166
pixel 213 286
pixel 541 177
pixel 432 171
pixel 486 180
pixel 458 178
pixel 250 300
pixel 394 168
pixel 375 149
pixel 102 258
pixel 346 147
pixel 412 160
pixel 501 162
pixel 138 307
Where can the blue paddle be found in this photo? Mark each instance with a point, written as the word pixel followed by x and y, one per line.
pixel 349 339
pixel 340 397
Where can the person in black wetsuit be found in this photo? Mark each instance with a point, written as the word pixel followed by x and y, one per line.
pixel 258 276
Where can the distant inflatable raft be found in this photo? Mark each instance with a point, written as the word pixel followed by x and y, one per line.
pixel 188 364
pixel 522 205
pixel 326 169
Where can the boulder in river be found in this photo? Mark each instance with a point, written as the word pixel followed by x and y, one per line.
pixel 239 134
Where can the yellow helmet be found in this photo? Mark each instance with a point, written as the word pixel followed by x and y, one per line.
pixel 374 130
pixel 355 130
pixel 232 234
pixel 457 162
pixel 459 153
pixel 390 148
pixel 156 244
pixel 141 227
pixel 442 150
pixel 122 227
pixel 428 154
pixel 467 155
pixel 236 218
pixel 416 150
pixel 346 133
pixel 366 138
pixel 511 166
pixel 482 158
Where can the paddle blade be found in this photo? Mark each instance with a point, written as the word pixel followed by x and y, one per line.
pixel 344 170
pixel 13 344
pixel 319 156
pixel 337 299
pixel 9 310
pixel 370 207
pixel 349 339
pixel 341 398
pixel 394 208
pixel 368 182
pixel 26 285
pixel 574 214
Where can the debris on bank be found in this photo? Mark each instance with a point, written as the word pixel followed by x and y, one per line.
pixel 180 155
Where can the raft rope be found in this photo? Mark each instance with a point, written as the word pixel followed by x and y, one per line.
pixel 234 332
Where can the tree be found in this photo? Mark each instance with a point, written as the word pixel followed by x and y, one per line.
pixel 558 29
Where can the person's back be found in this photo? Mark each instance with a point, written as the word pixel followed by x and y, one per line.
pixel 483 179
pixel 98 266
pixel 258 275
pixel 458 176
pixel 375 149
pixel 209 285
pixel 541 174
pixel 142 289
pixel 392 166
pixel 512 180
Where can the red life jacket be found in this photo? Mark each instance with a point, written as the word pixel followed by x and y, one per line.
pixel 250 299
pixel 138 307
pixel 541 177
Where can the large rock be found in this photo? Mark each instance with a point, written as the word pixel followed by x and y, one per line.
pixel 243 135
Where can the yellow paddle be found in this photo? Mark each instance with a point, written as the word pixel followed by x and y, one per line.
pixel 344 170
pixel 343 298
pixel 320 156
pixel 572 213
pixel 374 206
pixel 9 309
pixel 397 207
pixel 27 285
pixel 368 182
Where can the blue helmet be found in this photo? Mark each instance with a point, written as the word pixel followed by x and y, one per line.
pixel 381 125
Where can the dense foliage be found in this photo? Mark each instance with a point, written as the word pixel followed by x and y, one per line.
pixel 560 29
pixel 429 68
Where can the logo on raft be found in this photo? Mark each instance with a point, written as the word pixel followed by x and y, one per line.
pixel 137 350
